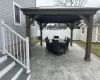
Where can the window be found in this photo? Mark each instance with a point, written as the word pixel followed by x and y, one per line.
pixel 98 34
pixel 82 30
pixel 17 15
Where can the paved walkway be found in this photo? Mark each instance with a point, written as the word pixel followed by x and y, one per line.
pixel 71 66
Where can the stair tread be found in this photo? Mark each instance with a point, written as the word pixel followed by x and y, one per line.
pixel 5 63
pixel 10 74
pixel 1 55
pixel 23 76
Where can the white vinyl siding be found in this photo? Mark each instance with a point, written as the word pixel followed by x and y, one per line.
pixel 98 34
pixel 82 31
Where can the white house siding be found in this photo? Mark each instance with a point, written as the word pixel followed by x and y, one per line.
pixel 84 36
pixel 61 33
pixel 98 37
pixel 34 32
pixel 94 34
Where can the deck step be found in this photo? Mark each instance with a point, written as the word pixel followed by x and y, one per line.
pixel 1 55
pixel 24 76
pixel 11 70
pixel 6 66
pixel 17 74
pixel 11 73
pixel 3 58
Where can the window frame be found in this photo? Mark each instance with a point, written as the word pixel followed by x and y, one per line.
pixel 97 34
pixel 15 4
pixel 82 30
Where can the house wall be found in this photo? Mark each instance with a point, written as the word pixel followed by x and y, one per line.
pixel 84 36
pixel 94 34
pixel 7 14
pixel 34 33
pixel 98 34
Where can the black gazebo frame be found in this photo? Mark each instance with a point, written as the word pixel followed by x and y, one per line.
pixel 66 15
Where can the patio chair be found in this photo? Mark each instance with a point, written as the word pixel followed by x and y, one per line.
pixel 56 36
pixel 46 39
pixel 56 48
pixel 39 37
pixel 65 38
pixel 63 46
pixel 47 44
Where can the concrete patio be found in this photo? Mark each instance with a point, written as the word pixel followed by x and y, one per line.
pixel 70 66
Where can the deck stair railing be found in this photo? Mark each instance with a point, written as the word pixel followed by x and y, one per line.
pixel 15 46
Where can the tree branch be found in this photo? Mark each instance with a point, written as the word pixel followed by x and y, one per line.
pixel 84 3
pixel 60 2
pixel 76 3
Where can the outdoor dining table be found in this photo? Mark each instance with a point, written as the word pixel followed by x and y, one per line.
pixel 61 41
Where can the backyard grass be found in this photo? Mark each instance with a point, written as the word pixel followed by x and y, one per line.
pixel 95 47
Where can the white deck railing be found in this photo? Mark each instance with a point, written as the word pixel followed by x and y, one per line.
pixel 15 46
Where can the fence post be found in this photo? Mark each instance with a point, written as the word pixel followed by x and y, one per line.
pixel 3 40
pixel 27 55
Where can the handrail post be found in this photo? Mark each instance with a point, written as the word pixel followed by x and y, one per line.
pixel 3 40
pixel 27 55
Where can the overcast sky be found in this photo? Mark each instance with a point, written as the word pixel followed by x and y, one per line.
pixel 90 3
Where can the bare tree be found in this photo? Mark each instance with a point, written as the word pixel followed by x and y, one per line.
pixel 97 18
pixel 74 3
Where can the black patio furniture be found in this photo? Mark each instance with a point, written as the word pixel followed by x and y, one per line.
pixel 47 44
pixel 56 48
pixel 61 41
pixel 56 36
pixel 46 39
pixel 39 37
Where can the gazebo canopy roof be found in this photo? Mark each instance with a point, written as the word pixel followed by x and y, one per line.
pixel 58 14
pixel 67 15
pixel 58 18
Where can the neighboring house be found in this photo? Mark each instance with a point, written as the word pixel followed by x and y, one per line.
pixel 13 42
pixel 95 33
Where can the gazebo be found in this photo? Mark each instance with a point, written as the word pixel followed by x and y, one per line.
pixel 67 15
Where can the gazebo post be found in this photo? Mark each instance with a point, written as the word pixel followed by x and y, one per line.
pixel 71 28
pixel 89 37
pixel 28 31
pixel 71 40
pixel 42 25
pixel 41 34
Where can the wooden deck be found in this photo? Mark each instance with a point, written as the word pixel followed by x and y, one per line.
pixel 71 66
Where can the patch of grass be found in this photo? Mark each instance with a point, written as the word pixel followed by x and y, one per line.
pixel 95 47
